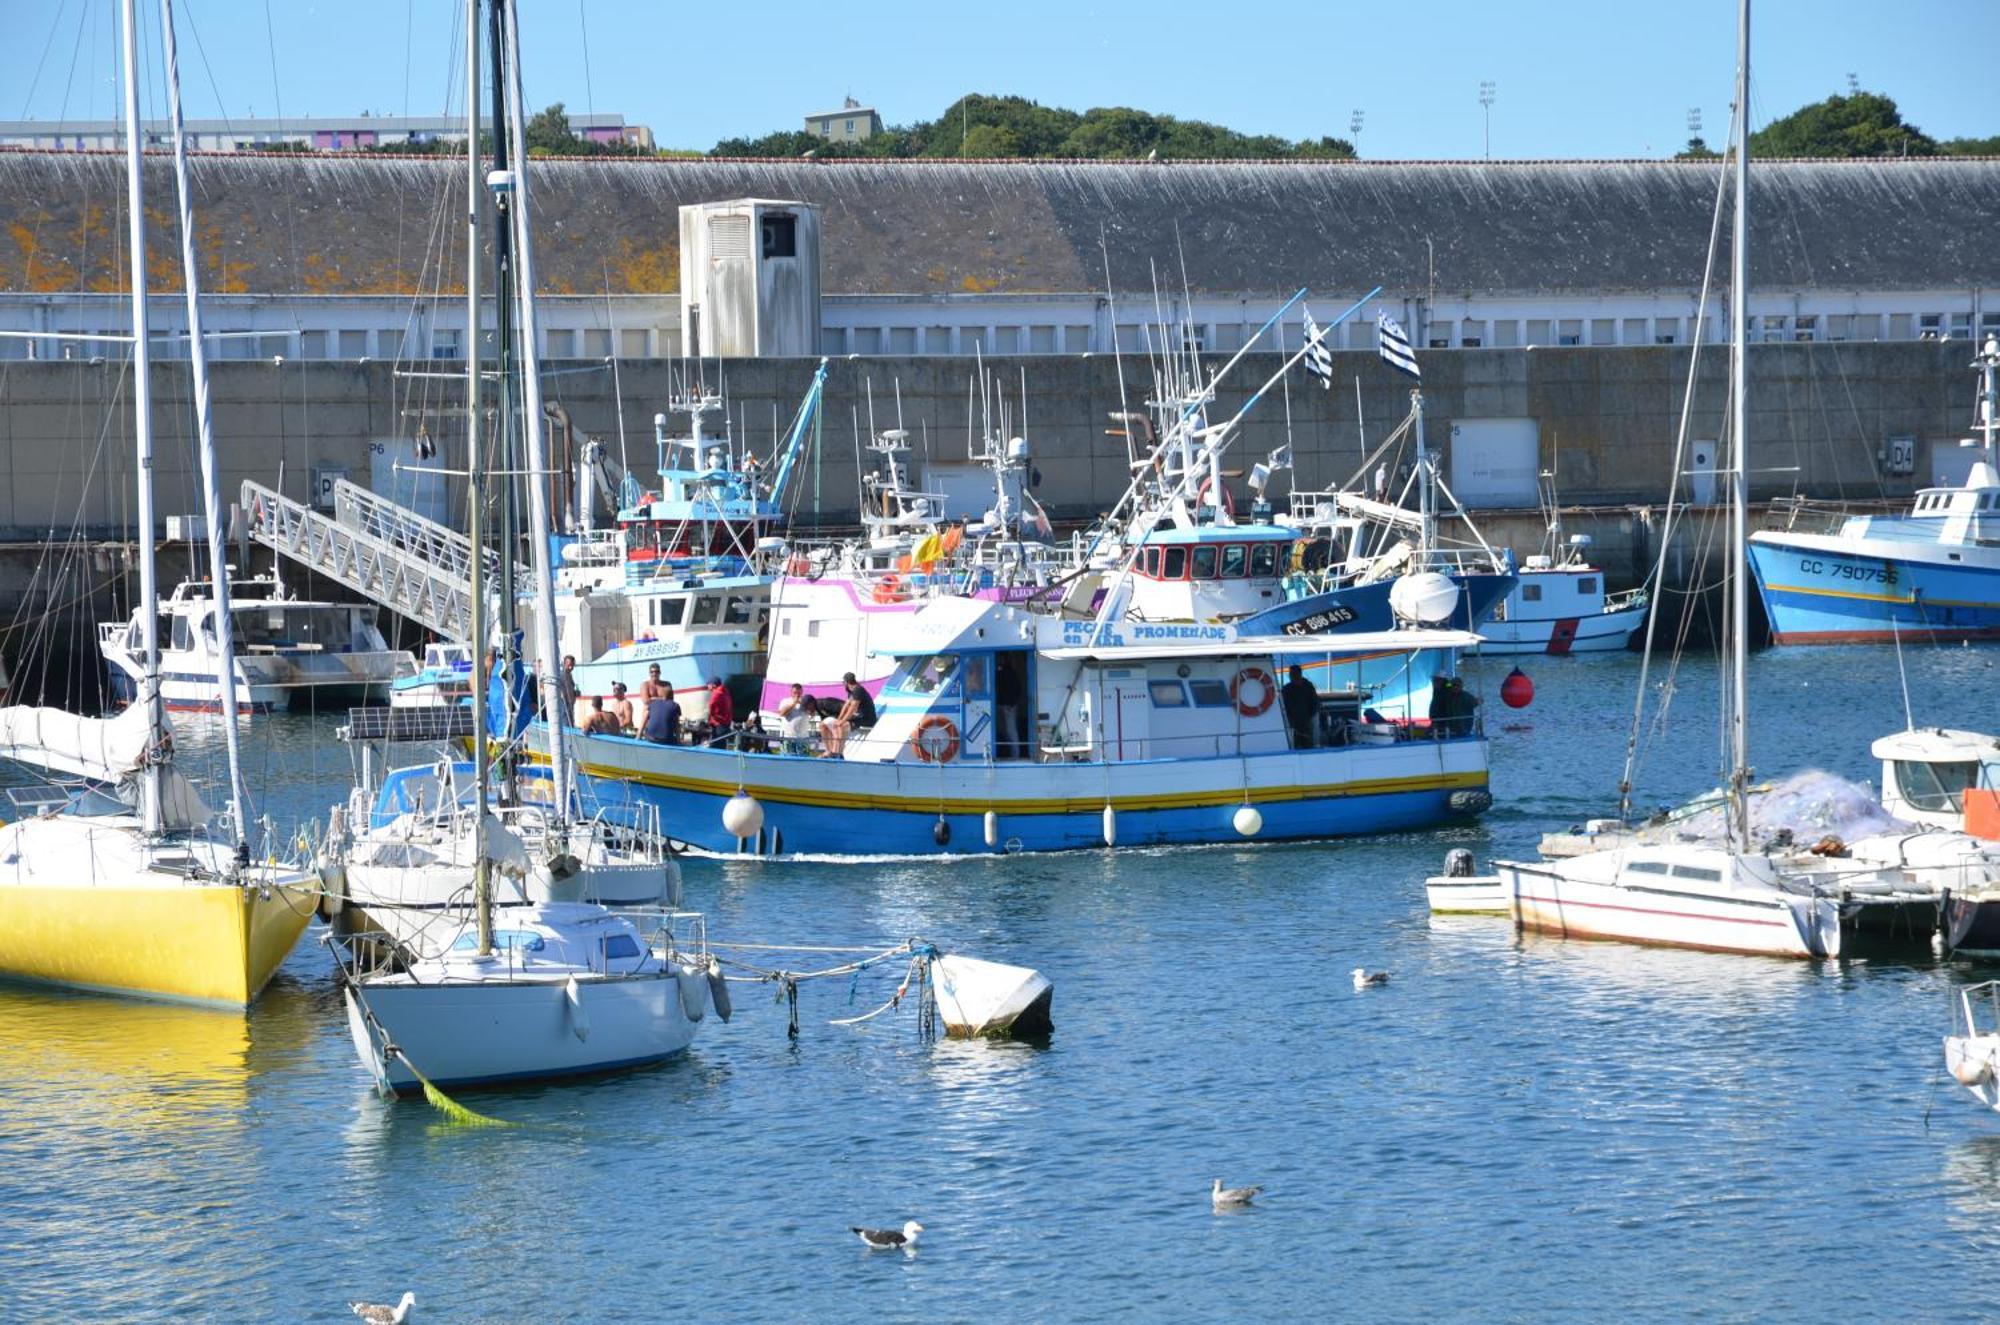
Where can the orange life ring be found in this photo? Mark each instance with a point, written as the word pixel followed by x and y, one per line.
pixel 1228 499
pixel 942 754
pixel 1262 678
pixel 889 589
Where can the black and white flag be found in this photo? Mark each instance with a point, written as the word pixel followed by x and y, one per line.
pixel 1395 346
pixel 1319 359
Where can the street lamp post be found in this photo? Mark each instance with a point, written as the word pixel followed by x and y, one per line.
pixel 1486 91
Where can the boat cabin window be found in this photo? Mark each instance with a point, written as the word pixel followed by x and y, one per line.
pixel 1209 694
pixel 1935 786
pixel 1151 562
pixel 295 627
pixel 1168 695
pixel 1647 867
pixel 1204 563
pixel 620 945
pixel 183 638
pixel 706 608
pixel 1264 559
pixel 1235 558
pixel 522 940
pixel 1588 584
pixel 1174 565
pixel 1531 593
pixel 669 611
pixel 738 611
pixel 1702 872
pixel 935 675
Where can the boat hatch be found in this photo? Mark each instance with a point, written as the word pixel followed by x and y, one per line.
pixel 523 940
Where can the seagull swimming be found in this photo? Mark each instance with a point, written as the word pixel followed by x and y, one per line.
pixel 376 1314
pixel 1231 1198
pixel 1365 978
pixel 886 1239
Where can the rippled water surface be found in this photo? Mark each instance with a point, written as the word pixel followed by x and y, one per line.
pixel 1517 1130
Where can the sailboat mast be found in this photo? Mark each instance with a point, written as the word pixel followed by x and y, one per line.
pixel 537 467
pixel 475 493
pixel 211 483
pixel 142 431
pixel 503 436
pixel 1739 424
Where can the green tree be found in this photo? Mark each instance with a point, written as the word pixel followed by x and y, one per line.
pixel 1865 124
pixel 1971 146
pixel 1696 150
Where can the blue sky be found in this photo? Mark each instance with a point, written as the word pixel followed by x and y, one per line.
pixel 1613 78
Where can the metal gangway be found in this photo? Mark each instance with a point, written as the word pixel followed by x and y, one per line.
pixel 411 565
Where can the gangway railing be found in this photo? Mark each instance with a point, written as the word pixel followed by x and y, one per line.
pixel 411 565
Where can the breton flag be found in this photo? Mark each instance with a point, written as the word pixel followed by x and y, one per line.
pixel 1319 359
pixel 1395 346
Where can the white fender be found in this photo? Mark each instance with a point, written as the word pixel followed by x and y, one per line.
pixel 992 829
pixel 718 989
pixel 1110 826
pixel 579 1020
pixel 694 992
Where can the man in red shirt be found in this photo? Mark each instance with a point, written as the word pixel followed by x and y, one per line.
pixel 721 709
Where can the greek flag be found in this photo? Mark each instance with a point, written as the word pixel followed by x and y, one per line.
pixel 1319 359
pixel 1395 346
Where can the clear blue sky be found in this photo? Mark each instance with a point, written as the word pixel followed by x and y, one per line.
pixel 1574 78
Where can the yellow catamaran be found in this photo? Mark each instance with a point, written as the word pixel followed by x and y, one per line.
pixel 120 881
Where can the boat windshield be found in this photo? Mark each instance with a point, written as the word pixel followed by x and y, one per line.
pixel 935 675
pixel 323 628
pixel 1935 786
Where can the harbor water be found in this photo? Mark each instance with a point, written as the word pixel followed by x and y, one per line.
pixel 1529 1130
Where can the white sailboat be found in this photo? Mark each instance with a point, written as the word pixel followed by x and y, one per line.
pixel 120 882
pixel 546 988
pixel 1729 896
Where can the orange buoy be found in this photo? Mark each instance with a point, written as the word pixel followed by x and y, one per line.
pixel 1517 691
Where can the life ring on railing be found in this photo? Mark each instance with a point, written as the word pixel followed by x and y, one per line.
pixel 1228 500
pixel 935 752
pixel 799 564
pixel 1267 691
pixel 889 589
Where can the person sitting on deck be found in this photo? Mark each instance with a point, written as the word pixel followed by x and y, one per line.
pixel 800 719
pixel 1301 708
pixel 857 714
pixel 663 719
pixel 600 722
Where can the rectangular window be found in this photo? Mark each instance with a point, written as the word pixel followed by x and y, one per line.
pixel 1531 593
pixel 1774 327
pixel 632 343
pixel 1930 326
pixel 1209 694
pixel 1867 326
pixel 1989 325
pixel 1666 331
pixel 706 608
pixel 1603 331
pixel 669 611
pixel 1900 327
pixel 1507 334
pixel 1569 331
pixel 1131 339
pixel 1961 326
pixel 812 628
pixel 1587 584
pixel 1076 340
pixel 596 343
pixel 1634 331
pixel 1264 559
pixel 354 345
pixel 445 343
pixel 833 340
pixel 867 340
pixel 1167 694
pixel 738 611
pixel 389 344
pixel 1805 328
pixel 1041 340
pixel 975 340
pixel 1174 567
pixel 559 344
pixel 1839 326
pixel 1472 335
pixel 1538 331
pixel 1440 335
pixel 1151 562
pixel 902 340
pixel 1234 558
pixel 937 340
pixel 312 344
pixel 1006 340
pixel 779 234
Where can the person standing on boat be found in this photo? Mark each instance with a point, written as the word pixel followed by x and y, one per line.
pixel 721 708
pixel 1301 708
pixel 652 687
pixel 1007 703
pixel 565 685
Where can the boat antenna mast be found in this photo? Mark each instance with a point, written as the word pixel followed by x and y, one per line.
pixel 1988 411
pixel 211 485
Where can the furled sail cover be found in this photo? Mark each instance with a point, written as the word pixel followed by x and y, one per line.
pixel 106 749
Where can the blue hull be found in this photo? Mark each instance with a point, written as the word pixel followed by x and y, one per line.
pixel 1816 595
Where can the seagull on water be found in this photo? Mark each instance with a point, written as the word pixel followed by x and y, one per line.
pixel 887 1239
pixel 1367 979
pixel 376 1314
pixel 1231 1198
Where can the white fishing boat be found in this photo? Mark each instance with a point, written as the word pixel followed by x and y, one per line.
pixel 1972 1049
pixel 1734 896
pixel 979 999
pixel 1461 891
pixel 443 681
pixel 119 879
pixel 563 989
pixel 1558 604
pixel 477 992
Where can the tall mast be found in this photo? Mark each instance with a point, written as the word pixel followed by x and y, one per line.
pixel 142 431
pixel 1739 425
pixel 503 314
pixel 211 483
pixel 475 491
pixel 531 423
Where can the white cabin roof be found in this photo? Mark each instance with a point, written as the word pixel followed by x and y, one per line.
pixel 1303 646
pixel 1937 745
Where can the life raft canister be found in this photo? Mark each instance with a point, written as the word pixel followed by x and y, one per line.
pixel 1267 691
pixel 932 750
pixel 889 589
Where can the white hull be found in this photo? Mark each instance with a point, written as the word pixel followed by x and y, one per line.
pixel 979 998
pixel 1973 1061
pixel 524 1029
pixel 1606 632
pixel 1469 895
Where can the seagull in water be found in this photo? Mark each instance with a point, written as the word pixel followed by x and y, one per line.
pixel 1367 979
pixel 1231 1198
pixel 376 1314
pixel 887 1239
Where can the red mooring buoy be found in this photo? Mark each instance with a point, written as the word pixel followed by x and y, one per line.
pixel 1517 691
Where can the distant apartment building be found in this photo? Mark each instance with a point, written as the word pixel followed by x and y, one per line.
pixel 345 134
pixel 852 123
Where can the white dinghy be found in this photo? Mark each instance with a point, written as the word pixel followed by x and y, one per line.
pixel 990 1000
pixel 1972 1050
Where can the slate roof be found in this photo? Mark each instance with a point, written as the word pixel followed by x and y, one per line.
pixel 371 224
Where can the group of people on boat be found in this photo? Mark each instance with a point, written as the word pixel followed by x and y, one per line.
pixel 804 721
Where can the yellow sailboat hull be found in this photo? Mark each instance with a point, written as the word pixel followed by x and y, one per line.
pixel 191 942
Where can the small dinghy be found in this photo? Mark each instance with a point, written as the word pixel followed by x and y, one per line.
pixel 989 1000
pixel 1460 892
pixel 1972 1050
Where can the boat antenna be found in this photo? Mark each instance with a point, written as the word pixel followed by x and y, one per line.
pixel 1739 406
pixel 1117 351
pixel 158 748
pixel 475 499
pixel 532 424
pixel 211 484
